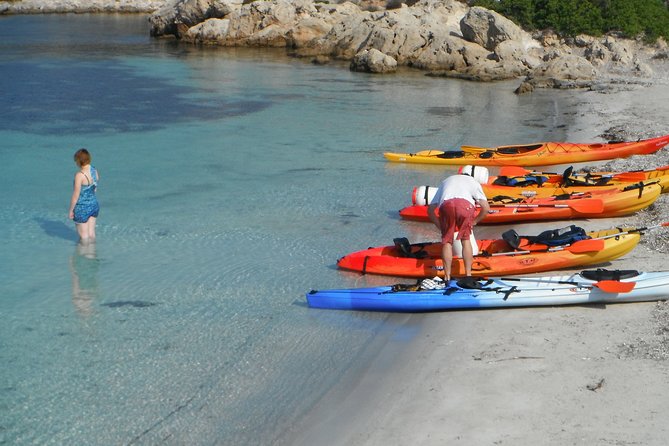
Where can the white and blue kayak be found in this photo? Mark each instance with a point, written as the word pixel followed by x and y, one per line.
pixel 591 286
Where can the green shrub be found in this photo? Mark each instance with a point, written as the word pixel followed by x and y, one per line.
pixel 632 18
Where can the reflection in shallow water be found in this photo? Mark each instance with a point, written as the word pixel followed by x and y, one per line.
pixel 84 266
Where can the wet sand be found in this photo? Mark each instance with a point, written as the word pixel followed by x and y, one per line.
pixel 578 375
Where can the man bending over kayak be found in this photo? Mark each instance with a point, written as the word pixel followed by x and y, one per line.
pixel 456 200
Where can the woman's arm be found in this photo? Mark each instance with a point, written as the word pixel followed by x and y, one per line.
pixel 78 178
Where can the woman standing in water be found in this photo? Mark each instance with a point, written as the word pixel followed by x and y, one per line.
pixel 84 207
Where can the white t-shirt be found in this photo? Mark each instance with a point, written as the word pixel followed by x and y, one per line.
pixel 459 186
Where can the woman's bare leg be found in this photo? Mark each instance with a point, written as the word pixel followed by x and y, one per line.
pixel 82 230
pixel 91 228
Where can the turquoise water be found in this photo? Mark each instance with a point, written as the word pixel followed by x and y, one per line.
pixel 231 181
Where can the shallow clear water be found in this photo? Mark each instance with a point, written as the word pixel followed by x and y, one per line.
pixel 231 181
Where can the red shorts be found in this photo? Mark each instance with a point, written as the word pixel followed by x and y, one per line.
pixel 456 214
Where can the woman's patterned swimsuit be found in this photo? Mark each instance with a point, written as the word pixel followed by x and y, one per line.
pixel 87 204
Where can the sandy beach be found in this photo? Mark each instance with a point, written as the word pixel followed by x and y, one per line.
pixel 580 375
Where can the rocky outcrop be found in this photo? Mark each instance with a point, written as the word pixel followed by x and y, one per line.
pixel 79 6
pixel 442 37
pixel 439 35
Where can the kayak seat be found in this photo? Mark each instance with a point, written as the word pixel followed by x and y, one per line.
pixel 404 248
pixel 561 236
pixel 504 199
pixel 605 274
pixel 551 237
pixel 472 283
pixel 526 148
pixel 568 179
pixel 520 181
pixel 512 238
pixel 404 287
pixel 508 150
pixel 451 154
pixel 588 180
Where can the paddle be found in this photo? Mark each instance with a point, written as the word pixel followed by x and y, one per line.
pixel 632 231
pixel 630 177
pixel 615 286
pixel 583 205
pixel 608 286
pixel 579 247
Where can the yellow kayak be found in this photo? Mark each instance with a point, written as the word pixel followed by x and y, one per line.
pixel 536 154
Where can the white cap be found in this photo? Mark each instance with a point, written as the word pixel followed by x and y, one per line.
pixel 479 173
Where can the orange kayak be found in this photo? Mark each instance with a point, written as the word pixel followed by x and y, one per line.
pixel 609 202
pixel 498 257
pixel 536 154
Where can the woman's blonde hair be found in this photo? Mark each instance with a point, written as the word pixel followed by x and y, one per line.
pixel 82 157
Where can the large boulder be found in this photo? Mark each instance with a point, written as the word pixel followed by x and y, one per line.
pixel 373 61
pixel 449 53
pixel 176 16
pixel 306 30
pixel 210 31
pixel 488 28
pixel 569 67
